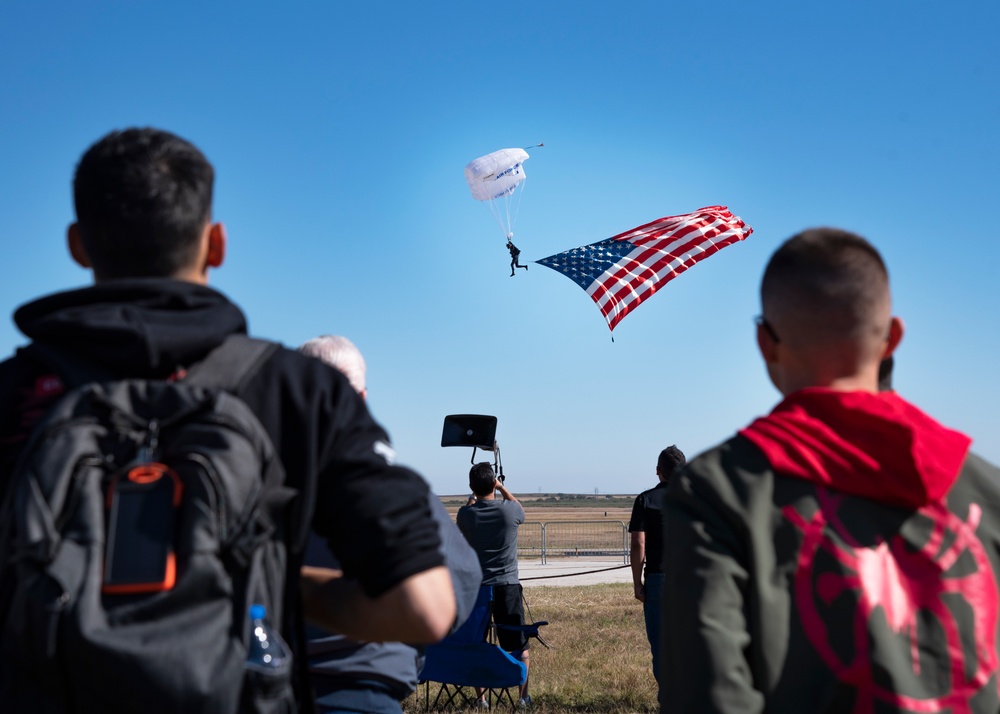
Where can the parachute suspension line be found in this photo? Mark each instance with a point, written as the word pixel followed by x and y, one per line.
pixel 503 167
pixel 520 190
pixel 496 216
pixel 517 206
pixel 506 204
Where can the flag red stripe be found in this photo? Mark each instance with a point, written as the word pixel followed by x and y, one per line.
pixel 690 238
pixel 668 247
pixel 692 223
pixel 632 292
pixel 618 272
pixel 652 260
pixel 673 220
pixel 627 297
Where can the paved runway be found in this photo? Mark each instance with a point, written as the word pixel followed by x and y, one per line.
pixel 571 571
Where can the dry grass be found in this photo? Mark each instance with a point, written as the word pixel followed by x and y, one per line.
pixel 599 661
pixel 541 512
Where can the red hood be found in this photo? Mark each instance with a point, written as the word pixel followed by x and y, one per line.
pixel 877 446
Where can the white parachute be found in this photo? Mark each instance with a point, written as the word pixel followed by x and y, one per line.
pixel 494 179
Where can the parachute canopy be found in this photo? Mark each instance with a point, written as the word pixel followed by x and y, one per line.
pixel 496 175
pixel 494 179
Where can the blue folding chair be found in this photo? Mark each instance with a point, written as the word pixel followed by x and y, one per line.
pixel 468 660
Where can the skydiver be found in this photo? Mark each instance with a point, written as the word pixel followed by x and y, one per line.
pixel 514 253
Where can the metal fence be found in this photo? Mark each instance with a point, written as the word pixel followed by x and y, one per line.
pixel 573 539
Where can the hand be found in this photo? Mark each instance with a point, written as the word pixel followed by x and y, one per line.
pixel 313 581
pixel 507 495
pixel 640 592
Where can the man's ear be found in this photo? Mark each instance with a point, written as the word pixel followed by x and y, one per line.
pixel 896 330
pixel 75 244
pixel 216 245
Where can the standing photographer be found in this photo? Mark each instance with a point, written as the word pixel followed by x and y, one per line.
pixel 490 526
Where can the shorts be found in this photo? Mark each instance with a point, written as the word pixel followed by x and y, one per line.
pixel 335 695
pixel 508 609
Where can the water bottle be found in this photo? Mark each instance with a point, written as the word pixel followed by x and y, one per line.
pixel 267 651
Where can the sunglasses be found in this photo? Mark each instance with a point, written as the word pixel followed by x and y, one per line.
pixel 761 322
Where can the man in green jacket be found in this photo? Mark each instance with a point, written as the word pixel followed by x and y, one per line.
pixel 841 553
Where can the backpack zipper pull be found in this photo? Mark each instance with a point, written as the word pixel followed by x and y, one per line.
pixel 147 452
pixel 55 609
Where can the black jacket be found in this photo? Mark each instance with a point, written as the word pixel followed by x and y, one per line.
pixel 374 515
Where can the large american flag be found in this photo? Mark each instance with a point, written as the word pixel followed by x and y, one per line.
pixel 622 271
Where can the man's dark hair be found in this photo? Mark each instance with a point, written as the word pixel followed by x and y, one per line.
pixel 482 478
pixel 828 272
pixel 142 198
pixel 671 459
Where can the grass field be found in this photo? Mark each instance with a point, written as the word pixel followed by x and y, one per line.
pixel 599 661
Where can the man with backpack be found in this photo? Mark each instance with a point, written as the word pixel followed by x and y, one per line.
pixel 161 471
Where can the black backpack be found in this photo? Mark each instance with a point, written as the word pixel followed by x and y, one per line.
pixel 143 519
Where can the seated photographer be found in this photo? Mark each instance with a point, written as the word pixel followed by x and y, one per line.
pixel 490 525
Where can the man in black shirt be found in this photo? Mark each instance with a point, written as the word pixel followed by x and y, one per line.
pixel 646 528
pixel 144 228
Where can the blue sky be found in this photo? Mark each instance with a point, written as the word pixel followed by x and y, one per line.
pixel 339 132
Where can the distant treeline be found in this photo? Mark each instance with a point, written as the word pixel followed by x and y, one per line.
pixel 560 500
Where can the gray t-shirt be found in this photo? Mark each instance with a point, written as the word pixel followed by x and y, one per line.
pixel 491 529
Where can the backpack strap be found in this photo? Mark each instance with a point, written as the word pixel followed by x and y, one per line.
pixel 231 365
pixel 228 368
